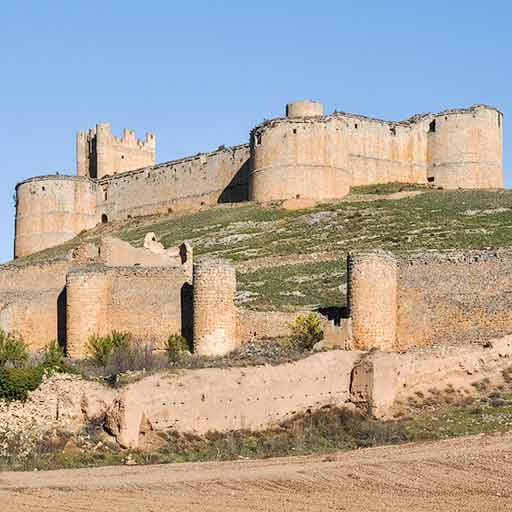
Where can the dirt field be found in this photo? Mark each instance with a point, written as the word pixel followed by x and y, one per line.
pixel 465 474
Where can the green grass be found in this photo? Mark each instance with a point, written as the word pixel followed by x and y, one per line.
pixel 278 252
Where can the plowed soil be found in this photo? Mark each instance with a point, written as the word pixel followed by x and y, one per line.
pixel 464 474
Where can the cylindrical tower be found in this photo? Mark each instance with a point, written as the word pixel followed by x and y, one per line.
pixel 465 148
pixel 215 314
pixel 51 210
pixel 373 299
pixel 87 293
pixel 304 108
pixel 299 158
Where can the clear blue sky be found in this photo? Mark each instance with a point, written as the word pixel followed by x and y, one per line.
pixel 203 73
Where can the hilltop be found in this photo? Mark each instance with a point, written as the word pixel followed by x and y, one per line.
pixel 296 259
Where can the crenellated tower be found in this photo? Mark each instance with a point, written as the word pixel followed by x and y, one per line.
pixel 100 153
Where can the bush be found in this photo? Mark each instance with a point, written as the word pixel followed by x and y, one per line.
pixel 53 356
pixel 135 356
pixel 102 348
pixel 176 347
pixel 306 332
pixel 13 351
pixel 15 383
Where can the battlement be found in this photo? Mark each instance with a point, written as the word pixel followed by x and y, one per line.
pixel 306 155
pixel 100 153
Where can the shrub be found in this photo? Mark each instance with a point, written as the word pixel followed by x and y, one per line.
pixel 176 347
pixel 53 356
pixel 15 383
pixel 13 351
pixel 135 356
pixel 101 348
pixel 306 332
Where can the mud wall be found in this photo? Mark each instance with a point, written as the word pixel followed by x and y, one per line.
pixel 382 383
pixel 199 401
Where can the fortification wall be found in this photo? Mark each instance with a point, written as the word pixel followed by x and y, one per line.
pixel 299 158
pixel 204 179
pixel 454 297
pixel 466 148
pixel 37 318
pixel 258 325
pixel 429 299
pixel 373 299
pixel 199 401
pixel 51 210
pixel 384 152
pixel 147 302
pixel 215 314
pixel 34 277
pixel 32 302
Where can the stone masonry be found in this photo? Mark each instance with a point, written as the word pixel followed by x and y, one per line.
pixel 306 155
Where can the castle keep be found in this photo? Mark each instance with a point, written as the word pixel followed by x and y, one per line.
pixel 305 155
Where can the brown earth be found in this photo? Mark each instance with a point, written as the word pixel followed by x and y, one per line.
pixel 464 474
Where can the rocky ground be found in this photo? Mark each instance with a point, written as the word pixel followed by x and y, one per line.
pixel 457 475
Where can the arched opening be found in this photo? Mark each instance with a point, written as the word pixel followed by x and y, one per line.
pixel 104 218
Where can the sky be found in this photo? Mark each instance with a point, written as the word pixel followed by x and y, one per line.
pixel 202 73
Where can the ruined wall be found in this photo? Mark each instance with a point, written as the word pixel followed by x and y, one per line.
pixel 199 401
pixel 466 148
pixel 51 210
pixel 382 383
pixel 204 179
pixel 427 299
pixel 100 153
pixel 147 302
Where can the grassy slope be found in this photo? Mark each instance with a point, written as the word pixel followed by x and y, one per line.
pixel 297 259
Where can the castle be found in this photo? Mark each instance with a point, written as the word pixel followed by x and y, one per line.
pixel 456 304
pixel 305 155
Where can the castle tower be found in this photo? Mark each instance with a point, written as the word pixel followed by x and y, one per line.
pixel 373 299
pixel 302 156
pixel 51 210
pixel 465 148
pixel 100 153
pixel 215 313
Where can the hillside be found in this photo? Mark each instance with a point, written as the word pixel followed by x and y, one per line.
pixel 288 259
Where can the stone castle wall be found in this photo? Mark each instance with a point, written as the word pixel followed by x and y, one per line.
pixel 205 179
pixel 466 148
pixel 147 302
pixel 306 155
pixel 215 314
pixel 32 301
pixel 299 158
pixel 428 299
pixel 51 210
